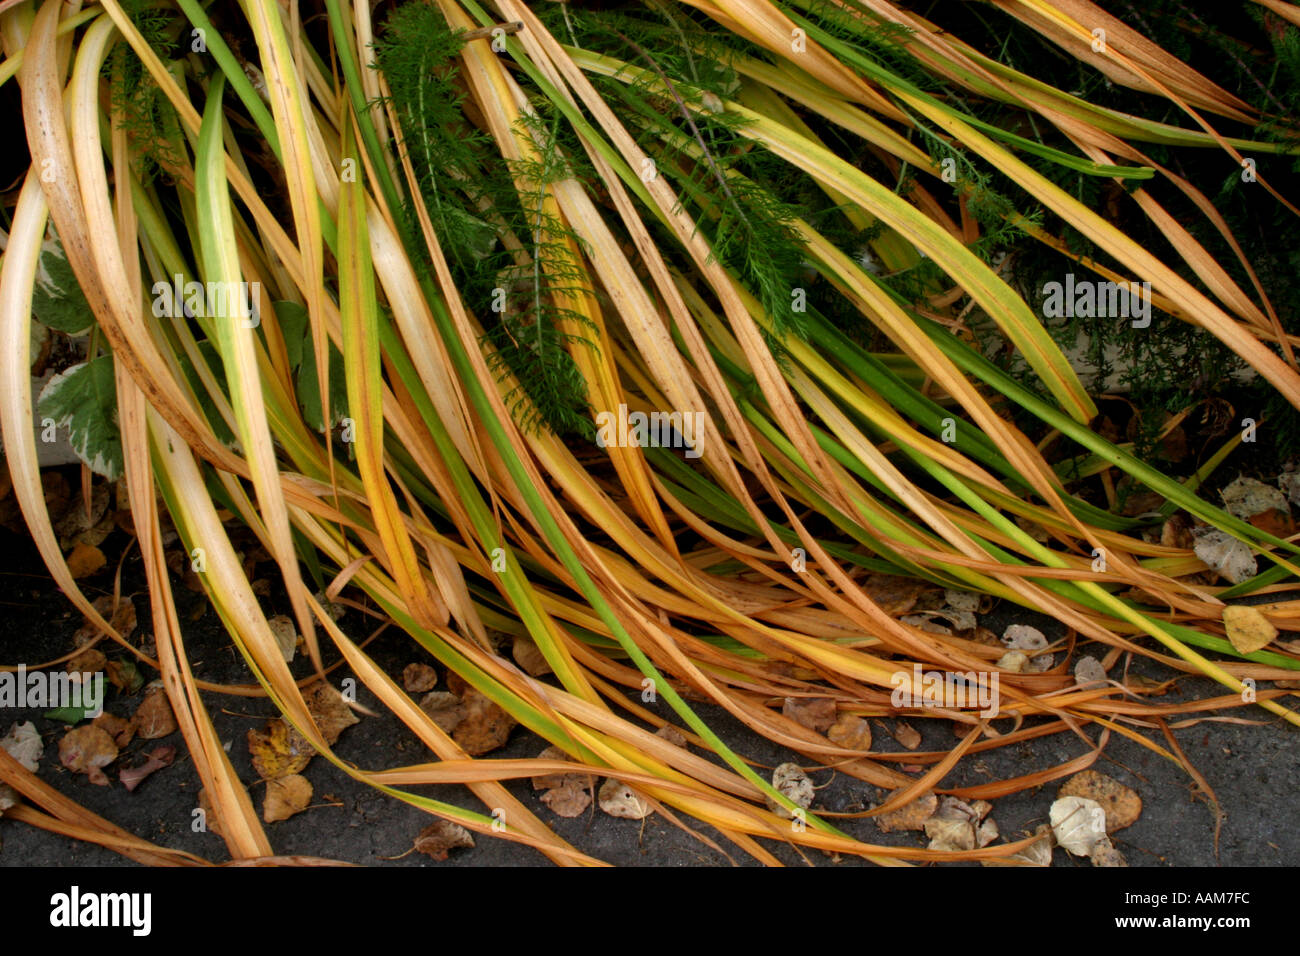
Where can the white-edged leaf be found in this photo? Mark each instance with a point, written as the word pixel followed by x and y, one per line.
pixel 83 398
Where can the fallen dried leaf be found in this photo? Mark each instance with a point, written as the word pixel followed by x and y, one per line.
pixel 949 833
pixel 1247 497
pixel 1088 672
pixel 154 717
pixel 1022 637
pixel 619 800
pixel 286 796
pixel 911 816
pixel 850 732
pixel 89 661
pixel 446 709
pixel 894 594
pixel 209 815
pixel 1038 853
pixel 1121 805
pixel 1177 533
pixel 569 800
pixel 85 560
pixel 1104 854
pixel 906 734
pixel 88 749
pixel 671 734
pixel 552 781
pixel 24 744
pixel 418 678
pixel 1289 483
pixel 1225 555
pixel 529 656
pixel 285 633
pixel 485 726
pixel 278 750
pixel 815 713
pixel 119 728
pixel 791 782
pixel 1280 524
pixel 986 832
pixel 1015 661
pixel 329 710
pixel 158 758
pixel 439 838
pixel 1078 824
pixel 1248 629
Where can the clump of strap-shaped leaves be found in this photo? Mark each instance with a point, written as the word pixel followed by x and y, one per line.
pixel 475 228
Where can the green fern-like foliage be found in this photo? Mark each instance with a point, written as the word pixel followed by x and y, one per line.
pixel 739 195
pixel 146 114
pixel 512 261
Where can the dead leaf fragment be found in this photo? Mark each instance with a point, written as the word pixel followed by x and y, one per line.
pixel 119 728
pixel 529 656
pixel 485 726
pixel 89 661
pixel 1104 854
pixel 552 781
pixel 1289 483
pixel 329 710
pixel 286 635
pixel 439 838
pixel 1038 853
pixel 24 744
pixel 1088 672
pixel 157 759
pixel 1015 661
pixel 1248 629
pixel 154 717
pixel 418 678
pixel 1121 805
pixel 906 734
pixel 278 750
pixel 671 734
pixel 851 732
pixel 815 713
pixel 1022 637
pixel 286 796
pixel 568 801
pixel 88 749
pixel 911 816
pixel 950 833
pixel 210 821
pixel 1247 497
pixel 446 709
pixel 619 800
pixel 894 594
pixel 85 560
pixel 791 782
pixel 1225 555
pixel 1078 824
pixel 1177 533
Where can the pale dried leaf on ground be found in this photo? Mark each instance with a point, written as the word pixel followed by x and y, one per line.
pixel 619 800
